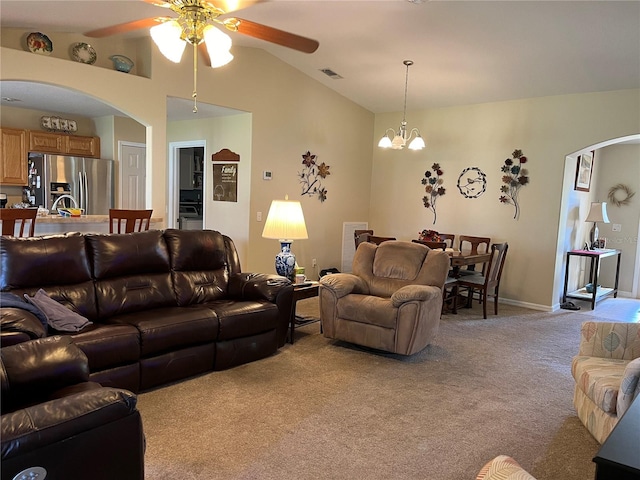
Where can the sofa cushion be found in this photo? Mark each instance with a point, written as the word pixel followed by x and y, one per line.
pixel 368 309
pixel 241 319
pixel 59 264
pixel 132 272
pixel 172 328
pixel 108 346
pixel 198 265
pixel 599 378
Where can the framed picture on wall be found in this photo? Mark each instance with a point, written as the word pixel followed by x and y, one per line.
pixel 584 169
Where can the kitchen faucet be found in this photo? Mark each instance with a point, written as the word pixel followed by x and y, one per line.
pixel 55 203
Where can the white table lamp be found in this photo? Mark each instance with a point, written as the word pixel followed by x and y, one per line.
pixel 285 222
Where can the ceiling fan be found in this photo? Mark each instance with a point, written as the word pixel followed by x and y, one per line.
pixel 195 24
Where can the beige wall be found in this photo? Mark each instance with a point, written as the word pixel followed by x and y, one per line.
pixel 546 129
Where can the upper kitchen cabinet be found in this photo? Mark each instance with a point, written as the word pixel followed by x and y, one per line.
pixel 46 142
pixel 13 156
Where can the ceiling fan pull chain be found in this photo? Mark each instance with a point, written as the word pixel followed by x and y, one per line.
pixel 195 78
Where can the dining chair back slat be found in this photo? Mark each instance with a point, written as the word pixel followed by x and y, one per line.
pixel 448 238
pixel 21 217
pixel 474 246
pixel 128 221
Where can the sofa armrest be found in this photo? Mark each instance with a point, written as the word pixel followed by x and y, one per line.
pixel 16 321
pixel 410 293
pixel 615 340
pixel 37 368
pixel 343 284
pixel 40 425
pixel 256 286
pixel 629 387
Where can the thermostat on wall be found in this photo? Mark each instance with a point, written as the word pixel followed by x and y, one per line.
pixel 266 175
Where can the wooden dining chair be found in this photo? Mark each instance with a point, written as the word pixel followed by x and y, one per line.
pixel 128 221
pixel 448 238
pixel 473 245
pixel 20 216
pixel 360 236
pixel 379 240
pixel 488 284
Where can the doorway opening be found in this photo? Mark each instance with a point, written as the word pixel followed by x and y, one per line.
pixel 186 185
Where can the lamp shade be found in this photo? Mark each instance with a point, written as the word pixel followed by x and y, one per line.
pixel 598 213
pixel 285 221
pixel 167 36
pixel 218 44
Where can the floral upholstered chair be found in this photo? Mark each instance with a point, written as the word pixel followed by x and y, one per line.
pixel 606 371
pixel 392 301
pixel 503 468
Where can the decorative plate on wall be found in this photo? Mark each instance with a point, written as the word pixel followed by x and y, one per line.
pixel 472 182
pixel 39 43
pixel 83 53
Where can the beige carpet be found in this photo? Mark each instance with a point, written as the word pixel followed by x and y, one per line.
pixel 321 409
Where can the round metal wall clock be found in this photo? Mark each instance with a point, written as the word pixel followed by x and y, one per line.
pixel 472 182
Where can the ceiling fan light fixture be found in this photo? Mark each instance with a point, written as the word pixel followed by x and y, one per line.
pixel 400 139
pixel 167 36
pixel 218 44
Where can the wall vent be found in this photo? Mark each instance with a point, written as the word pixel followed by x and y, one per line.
pixel 330 73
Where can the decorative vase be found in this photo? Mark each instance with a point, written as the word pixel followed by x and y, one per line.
pixel 285 260
pixel 121 63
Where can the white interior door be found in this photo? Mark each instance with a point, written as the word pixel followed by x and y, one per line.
pixel 133 175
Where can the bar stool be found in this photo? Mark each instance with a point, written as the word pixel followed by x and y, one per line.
pixel 129 220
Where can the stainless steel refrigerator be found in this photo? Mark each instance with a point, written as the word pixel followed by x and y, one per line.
pixel 88 180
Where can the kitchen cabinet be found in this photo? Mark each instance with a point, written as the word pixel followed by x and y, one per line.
pixel 13 156
pixel 57 143
pixel 191 168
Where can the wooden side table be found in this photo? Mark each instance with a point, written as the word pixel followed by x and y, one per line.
pixel 596 294
pixel 300 292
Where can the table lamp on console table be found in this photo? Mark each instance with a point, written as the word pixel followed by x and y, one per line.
pixel 285 222
pixel 597 213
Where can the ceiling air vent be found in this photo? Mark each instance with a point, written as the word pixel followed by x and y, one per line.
pixel 330 73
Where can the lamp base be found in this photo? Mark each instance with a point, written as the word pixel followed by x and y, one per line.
pixel 285 260
pixel 593 235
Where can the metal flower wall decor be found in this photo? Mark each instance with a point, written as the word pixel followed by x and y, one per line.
pixel 312 175
pixel 514 178
pixel 433 188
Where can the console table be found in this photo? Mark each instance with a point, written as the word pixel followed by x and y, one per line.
pixel 597 293
pixel 619 455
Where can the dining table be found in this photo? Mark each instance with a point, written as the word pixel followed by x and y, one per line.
pixel 460 259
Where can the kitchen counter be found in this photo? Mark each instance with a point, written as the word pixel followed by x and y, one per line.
pixel 51 224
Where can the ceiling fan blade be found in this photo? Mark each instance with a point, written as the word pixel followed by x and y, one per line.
pixel 125 27
pixel 273 35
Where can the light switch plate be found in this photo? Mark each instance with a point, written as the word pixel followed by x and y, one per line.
pixel 266 175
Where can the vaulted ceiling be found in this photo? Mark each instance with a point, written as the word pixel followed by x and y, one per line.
pixel 465 52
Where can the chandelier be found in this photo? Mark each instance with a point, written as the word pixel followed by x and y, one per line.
pixel 398 140
pixel 193 26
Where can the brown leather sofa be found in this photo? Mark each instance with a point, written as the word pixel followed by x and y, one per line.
pixel 165 305
pixel 56 423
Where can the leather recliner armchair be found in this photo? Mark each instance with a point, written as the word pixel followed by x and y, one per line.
pixel 392 301
pixel 56 422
